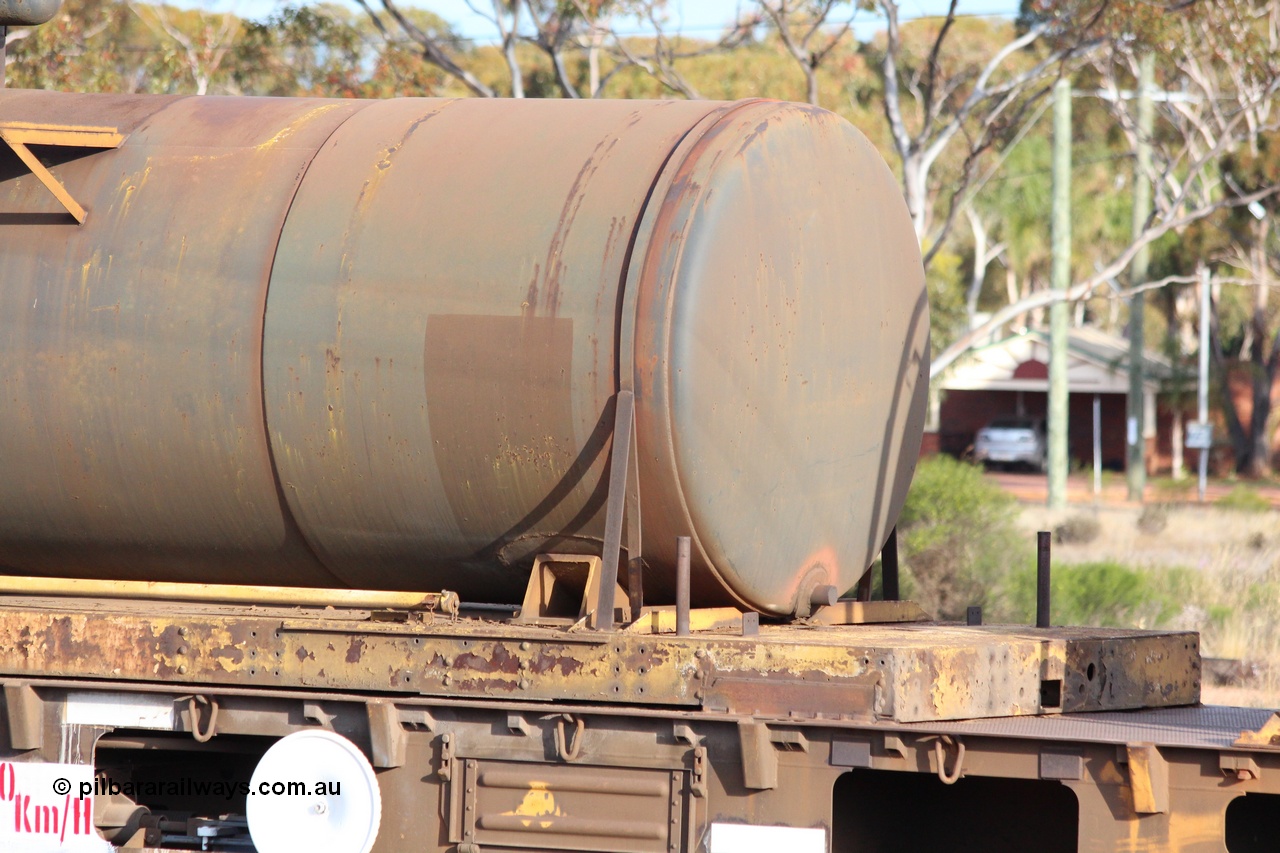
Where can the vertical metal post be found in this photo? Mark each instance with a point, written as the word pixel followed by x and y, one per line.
pixel 1097 447
pixel 682 586
pixel 1136 464
pixel 1042 579
pixel 1061 281
pixel 635 586
pixel 4 35
pixel 1202 393
pixel 618 464
pixel 889 567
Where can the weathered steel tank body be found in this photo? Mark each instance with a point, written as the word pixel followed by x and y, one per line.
pixel 25 13
pixel 378 344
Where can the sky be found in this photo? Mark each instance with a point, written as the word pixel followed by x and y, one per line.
pixel 698 18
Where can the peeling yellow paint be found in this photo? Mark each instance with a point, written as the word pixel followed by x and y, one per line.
pixel 538 802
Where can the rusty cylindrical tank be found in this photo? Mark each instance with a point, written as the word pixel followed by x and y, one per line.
pixel 378 344
pixel 26 13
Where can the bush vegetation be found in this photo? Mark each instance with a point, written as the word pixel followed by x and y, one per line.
pixel 964 542
pixel 1105 594
pixel 1245 499
pixel 958 538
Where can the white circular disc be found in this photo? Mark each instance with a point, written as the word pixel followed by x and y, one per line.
pixel 339 809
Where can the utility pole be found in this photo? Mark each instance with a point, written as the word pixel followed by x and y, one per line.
pixel 1204 440
pixel 1061 280
pixel 1136 428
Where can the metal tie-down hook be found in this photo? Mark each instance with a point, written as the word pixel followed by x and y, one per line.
pixel 940 752
pixel 194 710
pixel 569 751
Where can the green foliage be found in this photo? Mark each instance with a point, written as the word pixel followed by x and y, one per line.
pixel 1105 594
pixel 1244 499
pixel 945 281
pixel 957 536
pixel 82 49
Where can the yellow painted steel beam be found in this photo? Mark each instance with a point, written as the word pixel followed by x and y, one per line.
pixel 893 672
pixel 71 135
pixel 849 612
pixel 364 599
pixel 662 620
pixel 18 135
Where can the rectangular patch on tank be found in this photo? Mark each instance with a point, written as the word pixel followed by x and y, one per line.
pixel 499 405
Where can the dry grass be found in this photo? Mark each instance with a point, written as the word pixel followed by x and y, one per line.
pixel 1221 566
pixel 1205 538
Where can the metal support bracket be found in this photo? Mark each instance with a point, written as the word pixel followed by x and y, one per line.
pixel 1266 737
pixel 624 501
pixel 19 134
pixel 1148 779
pixel 1240 768
pixel 26 716
pixel 446 757
pixel 759 759
pixel 564 589
pixel 386 735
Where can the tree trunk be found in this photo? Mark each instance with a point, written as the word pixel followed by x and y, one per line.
pixel 979 264
pixel 914 183
pixel 1263 363
pixel 593 60
pixel 1179 470
pixel 513 68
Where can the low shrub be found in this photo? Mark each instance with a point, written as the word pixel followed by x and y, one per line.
pixel 1105 594
pixel 1078 529
pixel 1244 499
pixel 958 537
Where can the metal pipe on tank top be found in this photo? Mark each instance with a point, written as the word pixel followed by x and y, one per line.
pixel 682 586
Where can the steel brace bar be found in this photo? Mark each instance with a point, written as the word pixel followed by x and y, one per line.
pixel 19 135
pixel 624 502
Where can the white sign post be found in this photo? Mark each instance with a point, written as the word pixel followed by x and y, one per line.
pixel 1199 436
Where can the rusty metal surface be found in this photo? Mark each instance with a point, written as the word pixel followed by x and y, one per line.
pixel 441 348
pixel 25 13
pixel 780 354
pixel 849 612
pixel 635 779
pixel 892 672
pixel 566 807
pixel 132 421
pixel 1193 727
pixel 453 292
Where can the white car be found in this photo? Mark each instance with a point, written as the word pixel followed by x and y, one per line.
pixel 1012 440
